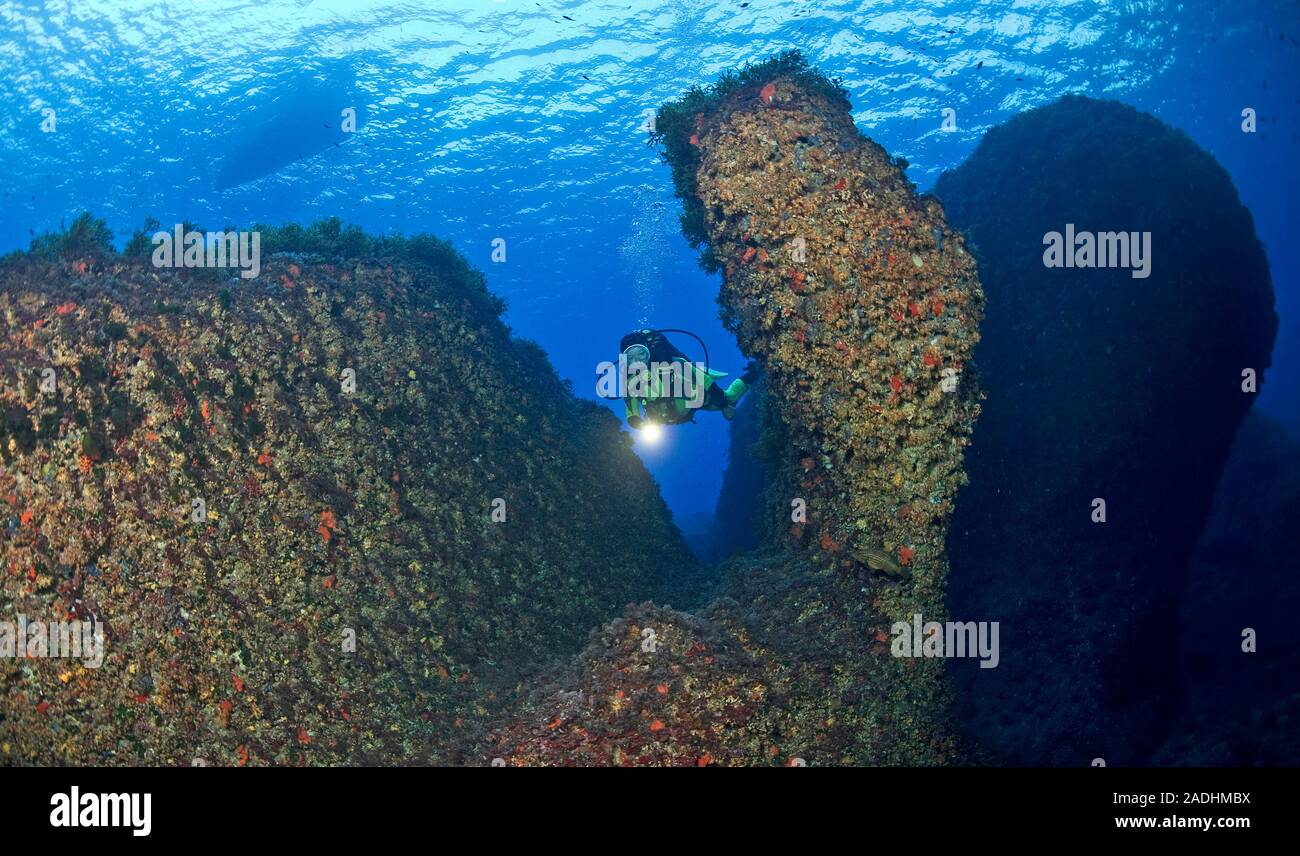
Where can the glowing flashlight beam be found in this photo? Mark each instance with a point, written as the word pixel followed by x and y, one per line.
pixel 650 432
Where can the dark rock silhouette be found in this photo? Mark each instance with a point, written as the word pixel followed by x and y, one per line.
pixel 1103 386
pixel 1243 708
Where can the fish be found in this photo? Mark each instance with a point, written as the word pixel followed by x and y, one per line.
pixel 879 560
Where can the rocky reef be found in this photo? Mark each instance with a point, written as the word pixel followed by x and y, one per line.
pixel 338 514
pixel 863 308
pixel 860 303
pixel 333 514
pixel 785 671
pixel 1112 399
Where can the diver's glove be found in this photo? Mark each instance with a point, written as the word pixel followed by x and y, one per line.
pixel 634 421
pixel 751 373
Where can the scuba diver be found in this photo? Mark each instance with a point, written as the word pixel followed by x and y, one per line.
pixel 673 387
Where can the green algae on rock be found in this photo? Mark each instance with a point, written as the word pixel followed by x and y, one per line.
pixel 333 515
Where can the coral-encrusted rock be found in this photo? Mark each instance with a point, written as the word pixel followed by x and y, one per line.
pixel 856 298
pixel 1100 386
pixel 789 672
pixel 656 687
pixel 859 302
pixel 325 512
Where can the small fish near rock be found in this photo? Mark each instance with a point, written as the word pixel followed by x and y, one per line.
pixel 879 560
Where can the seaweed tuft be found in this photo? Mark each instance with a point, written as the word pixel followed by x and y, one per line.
pixel 678 121
pixel 87 236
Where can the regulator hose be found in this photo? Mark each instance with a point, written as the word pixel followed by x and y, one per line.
pixel 693 336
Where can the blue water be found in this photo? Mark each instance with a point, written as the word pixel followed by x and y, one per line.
pixel 525 121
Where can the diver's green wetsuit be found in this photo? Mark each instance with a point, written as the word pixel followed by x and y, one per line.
pixel 659 404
